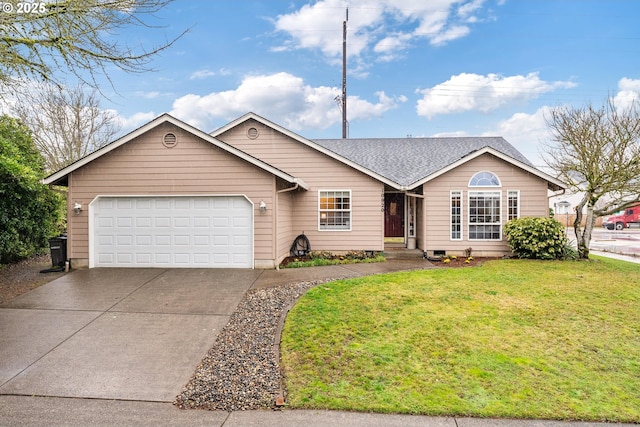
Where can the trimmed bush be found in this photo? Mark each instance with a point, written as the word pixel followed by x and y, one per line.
pixel 30 212
pixel 537 238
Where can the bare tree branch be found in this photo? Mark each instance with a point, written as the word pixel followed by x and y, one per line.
pixel 596 152
pixel 75 36
pixel 67 124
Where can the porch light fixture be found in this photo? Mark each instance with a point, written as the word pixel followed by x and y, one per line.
pixel 77 207
pixel 263 206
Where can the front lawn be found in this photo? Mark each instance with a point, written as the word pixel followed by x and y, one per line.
pixel 513 339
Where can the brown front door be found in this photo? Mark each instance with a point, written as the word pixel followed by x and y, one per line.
pixel 394 215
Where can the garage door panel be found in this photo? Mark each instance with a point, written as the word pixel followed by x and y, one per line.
pixel 181 222
pixel 163 240
pixel 164 222
pixel 143 240
pixel 162 204
pixel 106 259
pixel 221 222
pixel 124 258
pixel 124 222
pixel 201 204
pixel 144 221
pixel 143 258
pixel 200 221
pixel 181 231
pixel 179 240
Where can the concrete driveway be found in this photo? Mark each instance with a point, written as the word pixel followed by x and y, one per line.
pixel 126 334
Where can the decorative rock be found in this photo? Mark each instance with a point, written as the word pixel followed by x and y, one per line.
pixel 241 370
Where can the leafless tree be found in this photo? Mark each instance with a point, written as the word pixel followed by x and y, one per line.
pixel 596 152
pixel 72 36
pixel 67 124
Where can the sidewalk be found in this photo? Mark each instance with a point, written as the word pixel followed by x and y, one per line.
pixel 24 411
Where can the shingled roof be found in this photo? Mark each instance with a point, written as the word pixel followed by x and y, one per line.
pixel 406 161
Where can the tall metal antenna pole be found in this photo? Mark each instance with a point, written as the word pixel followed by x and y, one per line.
pixel 344 76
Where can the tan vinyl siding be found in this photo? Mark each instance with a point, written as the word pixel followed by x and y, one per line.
pixel 319 172
pixel 143 166
pixel 284 221
pixel 533 202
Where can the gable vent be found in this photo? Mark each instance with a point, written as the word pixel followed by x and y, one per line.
pixel 169 140
pixel 253 133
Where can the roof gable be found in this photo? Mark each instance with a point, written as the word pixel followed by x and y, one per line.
pixel 406 163
pixel 60 177
pixel 310 143
pixel 411 162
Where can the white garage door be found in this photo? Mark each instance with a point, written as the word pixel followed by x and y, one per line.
pixel 176 231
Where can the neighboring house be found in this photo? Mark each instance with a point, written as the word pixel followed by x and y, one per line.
pixel 170 195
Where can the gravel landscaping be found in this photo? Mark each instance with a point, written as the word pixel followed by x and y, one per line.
pixel 241 371
pixel 24 276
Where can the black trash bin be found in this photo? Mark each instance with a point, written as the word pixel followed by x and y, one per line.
pixel 58 247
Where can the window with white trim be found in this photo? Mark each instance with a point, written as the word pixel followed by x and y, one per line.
pixel 484 215
pixel 513 204
pixel 334 210
pixel 484 179
pixel 456 215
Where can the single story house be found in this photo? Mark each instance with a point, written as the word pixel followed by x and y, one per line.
pixel 171 195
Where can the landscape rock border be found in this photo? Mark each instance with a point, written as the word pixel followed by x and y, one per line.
pixel 242 369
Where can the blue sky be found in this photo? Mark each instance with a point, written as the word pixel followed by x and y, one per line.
pixel 420 68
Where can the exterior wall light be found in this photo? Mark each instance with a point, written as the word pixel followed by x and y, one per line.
pixel 77 207
pixel 263 206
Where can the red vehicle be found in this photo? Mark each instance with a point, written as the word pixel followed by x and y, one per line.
pixel 623 219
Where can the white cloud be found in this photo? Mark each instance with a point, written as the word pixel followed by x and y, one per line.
pixel 147 95
pixel 132 122
pixel 281 97
pixel 360 109
pixel 474 92
pixel 529 132
pixel 628 92
pixel 526 132
pixel 452 33
pixel 204 73
pixel 201 74
pixel 375 25
pixel 467 10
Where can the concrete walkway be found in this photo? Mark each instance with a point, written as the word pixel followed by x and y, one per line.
pixel 110 347
pixel 26 411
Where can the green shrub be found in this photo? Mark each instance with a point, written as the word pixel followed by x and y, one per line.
pixel 537 238
pixel 359 255
pixel 30 212
pixel 320 255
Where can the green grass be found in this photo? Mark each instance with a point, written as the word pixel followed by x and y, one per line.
pixel 513 338
pixel 318 262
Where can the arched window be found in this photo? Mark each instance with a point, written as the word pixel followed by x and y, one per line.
pixel 484 179
pixel 484 207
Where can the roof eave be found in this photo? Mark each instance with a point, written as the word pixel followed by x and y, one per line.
pixel 552 182
pixel 308 143
pixel 61 176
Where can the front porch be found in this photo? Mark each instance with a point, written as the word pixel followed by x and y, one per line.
pixel 400 222
pixel 399 251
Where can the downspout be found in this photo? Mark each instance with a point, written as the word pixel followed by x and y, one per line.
pixel 554 195
pixel 275 218
pixel 286 190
